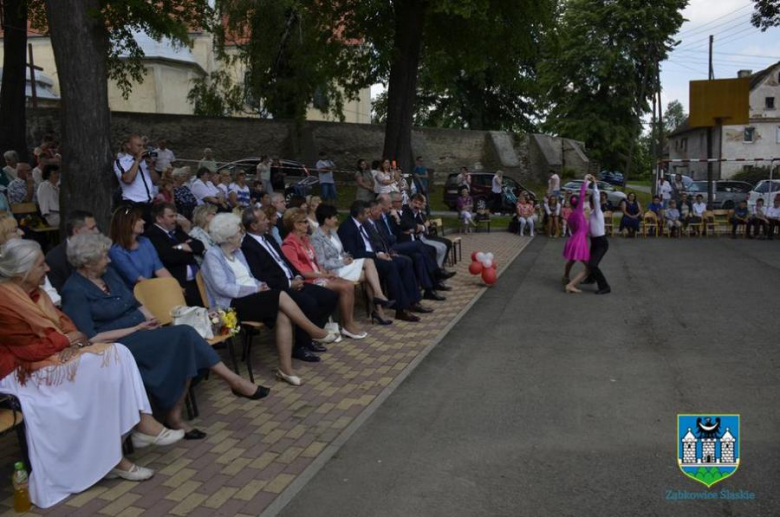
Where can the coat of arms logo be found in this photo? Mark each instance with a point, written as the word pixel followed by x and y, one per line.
pixel 708 446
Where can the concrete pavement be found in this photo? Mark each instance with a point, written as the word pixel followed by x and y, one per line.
pixel 540 403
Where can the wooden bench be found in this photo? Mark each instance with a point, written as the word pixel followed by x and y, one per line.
pixel 456 253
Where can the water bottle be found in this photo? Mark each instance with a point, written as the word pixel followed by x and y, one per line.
pixel 21 491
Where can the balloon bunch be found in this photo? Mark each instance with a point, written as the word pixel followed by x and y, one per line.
pixel 484 263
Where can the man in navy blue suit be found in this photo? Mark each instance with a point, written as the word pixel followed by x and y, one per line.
pixel 397 274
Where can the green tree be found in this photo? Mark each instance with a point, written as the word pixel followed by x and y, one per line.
pixel 674 116
pixel 767 14
pixel 598 73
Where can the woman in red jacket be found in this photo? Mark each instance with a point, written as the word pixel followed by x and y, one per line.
pixel 299 251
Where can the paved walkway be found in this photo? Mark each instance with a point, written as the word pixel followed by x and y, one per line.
pixel 258 450
pixel 545 404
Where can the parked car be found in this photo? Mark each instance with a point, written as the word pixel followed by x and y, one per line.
pixel 481 188
pixel 615 197
pixel 297 179
pixel 687 180
pixel 612 177
pixel 728 193
pixel 765 189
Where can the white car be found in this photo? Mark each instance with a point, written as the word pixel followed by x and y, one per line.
pixel 614 196
pixel 765 189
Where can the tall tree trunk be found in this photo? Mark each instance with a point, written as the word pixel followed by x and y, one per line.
pixel 402 86
pixel 13 129
pixel 81 45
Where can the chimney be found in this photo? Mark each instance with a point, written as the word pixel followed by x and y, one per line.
pixel 744 73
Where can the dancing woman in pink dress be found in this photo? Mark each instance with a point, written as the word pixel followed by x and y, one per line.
pixel 576 248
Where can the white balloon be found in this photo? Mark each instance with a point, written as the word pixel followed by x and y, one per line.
pixel 490 256
pixel 487 263
pixel 480 257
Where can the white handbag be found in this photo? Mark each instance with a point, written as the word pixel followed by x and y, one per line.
pixel 195 317
pixel 332 326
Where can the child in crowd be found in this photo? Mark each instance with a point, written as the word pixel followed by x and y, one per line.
pixel 565 213
pixel 672 218
pixel 465 207
pixel 656 206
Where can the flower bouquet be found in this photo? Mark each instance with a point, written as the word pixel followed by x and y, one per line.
pixel 225 322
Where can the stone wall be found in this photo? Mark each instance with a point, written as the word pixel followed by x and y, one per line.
pixel 444 150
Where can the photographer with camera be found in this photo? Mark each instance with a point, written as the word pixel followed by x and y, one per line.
pixel 136 178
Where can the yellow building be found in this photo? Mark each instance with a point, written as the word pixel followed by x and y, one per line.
pixel 170 71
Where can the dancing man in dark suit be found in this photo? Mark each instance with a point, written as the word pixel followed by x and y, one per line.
pixel 268 264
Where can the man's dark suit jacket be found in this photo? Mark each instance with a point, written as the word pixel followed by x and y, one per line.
pixel 175 261
pixel 57 259
pixel 378 240
pixel 263 266
pixel 353 241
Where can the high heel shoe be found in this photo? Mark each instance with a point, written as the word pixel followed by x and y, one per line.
pixel 571 290
pixel 260 392
pixel 289 379
pixel 350 335
pixel 384 303
pixel 375 318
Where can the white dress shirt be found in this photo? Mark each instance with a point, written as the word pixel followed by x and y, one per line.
pixel 699 209
pixel 141 190
pixel 363 233
pixel 596 218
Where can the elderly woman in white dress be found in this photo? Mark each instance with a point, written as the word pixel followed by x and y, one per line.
pixel 79 398
pixel 332 257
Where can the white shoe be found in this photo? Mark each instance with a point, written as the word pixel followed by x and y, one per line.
pixel 289 379
pixel 166 437
pixel 135 473
pixel 531 234
pixel 350 335
pixel 332 337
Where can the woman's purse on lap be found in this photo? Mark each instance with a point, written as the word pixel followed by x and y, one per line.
pixel 195 317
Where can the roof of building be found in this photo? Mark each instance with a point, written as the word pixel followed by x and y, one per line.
pixel 755 81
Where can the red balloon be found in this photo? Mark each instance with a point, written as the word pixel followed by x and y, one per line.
pixel 474 256
pixel 475 268
pixel 489 275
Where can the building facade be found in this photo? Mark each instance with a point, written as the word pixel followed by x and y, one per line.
pixel 760 138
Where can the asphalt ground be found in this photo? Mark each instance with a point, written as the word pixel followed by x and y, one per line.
pixel 541 403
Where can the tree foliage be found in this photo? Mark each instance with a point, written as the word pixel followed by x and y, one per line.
pixel 767 14
pixel 674 116
pixel 216 95
pixel 598 73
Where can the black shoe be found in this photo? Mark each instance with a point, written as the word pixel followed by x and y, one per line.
pixel 260 392
pixel 311 346
pixel 433 295
pixel 420 308
pixel 444 275
pixel 589 280
pixel 194 434
pixel 302 354
pixel 375 318
pixel 384 303
pixel 606 290
pixel 441 287
pixel 406 316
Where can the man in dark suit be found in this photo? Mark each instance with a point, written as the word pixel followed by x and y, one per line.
pixel 268 264
pixel 413 217
pixel 176 249
pixel 397 272
pixel 76 223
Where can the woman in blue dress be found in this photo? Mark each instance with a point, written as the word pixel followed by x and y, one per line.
pixel 102 307
pixel 133 256
pixel 632 212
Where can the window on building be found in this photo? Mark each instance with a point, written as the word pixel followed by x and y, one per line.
pixel 778 135
pixel 770 103
pixel 684 144
pixel 750 133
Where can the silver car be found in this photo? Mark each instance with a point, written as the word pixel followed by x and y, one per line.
pixel 728 194
pixel 615 197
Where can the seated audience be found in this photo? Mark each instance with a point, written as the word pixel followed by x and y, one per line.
pixel 330 253
pixel 698 210
pixel 183 197
pixel 606 205
pixel 9 171
pixel 222 181
pixel 526 215
pixel 5 206
pixel 49 195
pixel 206 192
pixel 465 207
pixel 9 230
pixel 414 217
pixel 552 212
pixel 758 221
pixel 22 189
pixel 739 218
pixel 76 223
pixel 176 249
pixel 229 283
pixel 61 377
pixel 672 219
pixel 238 192
pixel 165 192
pixel 280 204
pixel 268 264
pixel 686 209
pixel 102 307
pixel 312 203
pixel 656 206
pixel 273 227
pixel 632 213
pixel 133 256
pixel 773 216
pixel 299 251
pixel 201 218
pixel 257 192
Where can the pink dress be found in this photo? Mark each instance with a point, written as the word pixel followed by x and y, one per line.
pixel 576 247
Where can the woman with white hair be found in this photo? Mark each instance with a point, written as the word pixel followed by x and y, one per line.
pixel 11 161
pixel 79 397
pixel 229 283
pixel 103 308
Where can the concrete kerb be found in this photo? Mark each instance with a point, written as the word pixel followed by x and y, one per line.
pixel 300 482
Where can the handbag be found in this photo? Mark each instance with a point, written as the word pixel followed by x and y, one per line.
pixel 195 317
pixel 332 326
